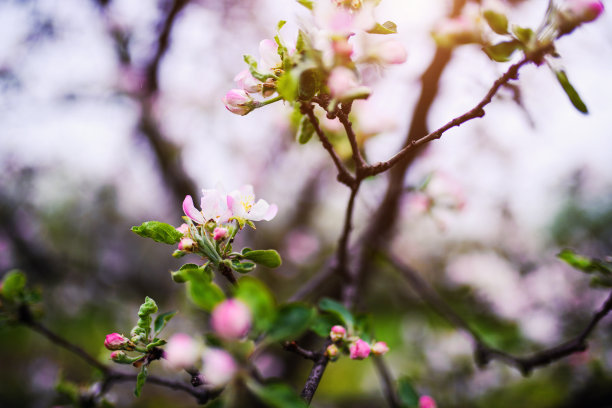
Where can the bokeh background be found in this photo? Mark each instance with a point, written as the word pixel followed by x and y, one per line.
pixel 107 119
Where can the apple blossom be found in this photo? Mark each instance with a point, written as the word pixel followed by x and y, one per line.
pixel 243 206
pixel 427 402
pixel 214 205
pixel 269 58
pixel 183 229
pixel 247 82
pixel 186 244
pixel 238 101
pixel 332 350
pixel 231 319
pixel 391 52
pixel 219 233
pixel 181 352
pixel 343 84
pixel 218 367
pixel 379 348
pixel 342 18
pixel 359 350
pixel 337 333
pixel 116 341
pixel 582 11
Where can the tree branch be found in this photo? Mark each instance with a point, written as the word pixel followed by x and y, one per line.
pixel 386 382
pixel 482 352
pixel 314 378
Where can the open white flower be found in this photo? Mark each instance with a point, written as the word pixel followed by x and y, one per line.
pixel 243 206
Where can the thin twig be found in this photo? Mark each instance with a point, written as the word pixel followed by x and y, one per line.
pixel 343 174
pixel 386 382
pixel 350 288
pixel 300 351
pixel 313 283
pixel 314 378
pixel 360 163
pixel 482 352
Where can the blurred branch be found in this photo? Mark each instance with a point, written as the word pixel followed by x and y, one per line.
pixel 387 382
pixel 110 376
pixel 316 373
pixel 294 348
pixel 482 352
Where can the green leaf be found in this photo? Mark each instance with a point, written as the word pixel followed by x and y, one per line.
pixel 497 21
pixel 408 396
pixel 242 267
pixel 337 309
pixel 599 281
pixel 306 3
pixel 583 263
pixel 206 295
pixel 291 321
pixel 571 92
pixel 287 86
pixel 162 320
pixel 305 130
pixel 502 51
pixel 191 271
pixel 363 326
pixel 524 35
pixel 141 379
pixel 388 27
pixel 277 395
pixel 13 284
pixel 259 299
pixel 266 257
pixel 322 324
pixel 147 308
pixel 159 232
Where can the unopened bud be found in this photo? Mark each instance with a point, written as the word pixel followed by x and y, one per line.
pixel 219 233
pixel 231 319
pixel 218 367
pixel 583 11
pixel 427 402
pixel 332 351
pixel 238 101
pixel 183 229
pixel 359 350
pixel 186 244
pixel 247 82
pixel 379 348
pixel 337 333
pixel 391 52
pixel 116 341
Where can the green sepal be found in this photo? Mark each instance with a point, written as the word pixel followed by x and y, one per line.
pixel 309 83
pixel 141 379
pixel 408 396
pixel 266 257
pixel 260 301
pixel 501 52
pixel 337 309
pixel 572 94
pixel 291 321
pixel 13 285
pixel 252 63
pixel 306 3
pixel 523 34
pixel 497 21
pixel 178 253
pixel 162 320
pixel 388 27
pixel 158 232
pixel 155 343
pixel 305 130
pixel 240 267
pixel 276 395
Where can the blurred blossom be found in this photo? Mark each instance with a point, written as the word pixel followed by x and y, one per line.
pixel 359 350
pixel 337 333
pixel 247 82
pixel 218 367
pixel 379 348
pixel 231 319
pixel 269 58
pixel 339 20
pixel 301 246
pixel 181 351
pixel 427 402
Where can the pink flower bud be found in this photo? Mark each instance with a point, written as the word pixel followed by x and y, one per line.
pixel 332 351
pixel 391 52
pixel 341 81
pixel 181 352
pixel 218 367
pixel 219 233
pixel 359 350
pixel 183 229
pixel 186 244
pixel 427 402
pixel 231 319
pixel 246 81
pixel 238 101
pixel 337 333
pixel 116 341
pixel 582 11
pixel 117 355
pixel 379 348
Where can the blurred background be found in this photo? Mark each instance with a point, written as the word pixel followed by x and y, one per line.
pixel 109 116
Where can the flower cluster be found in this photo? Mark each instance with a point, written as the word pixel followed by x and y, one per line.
pixel 356 348
pixel 324 60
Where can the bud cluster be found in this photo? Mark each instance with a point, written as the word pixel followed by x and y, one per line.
pixel 354 346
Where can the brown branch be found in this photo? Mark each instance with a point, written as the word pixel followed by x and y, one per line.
pixel 386 382
pixel 300 351
pixel 314 378
pixel 349 290
pixel 482 352
pixel 360 163
pixel 476 112
pixel 344 176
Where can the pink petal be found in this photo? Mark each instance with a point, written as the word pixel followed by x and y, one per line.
pixel 192 212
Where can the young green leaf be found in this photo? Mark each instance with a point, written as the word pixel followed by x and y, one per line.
pixel 242 267
pixel 191 271
pixel 277 395
pixel 287 86
pixel 305 130
pixel 322 324
pixel 571 92
pixel 338 310
pixel 13 284
pixel 388 27
pixel 523 34
pixel 497 21
pixel 162 320
pixel 266 257
pixel 259 299
pixel 291 321
pixel 583 263
pixel 159 232
pixel 204 294
pixel 502 51
pixel 141 379
pixel 408 396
